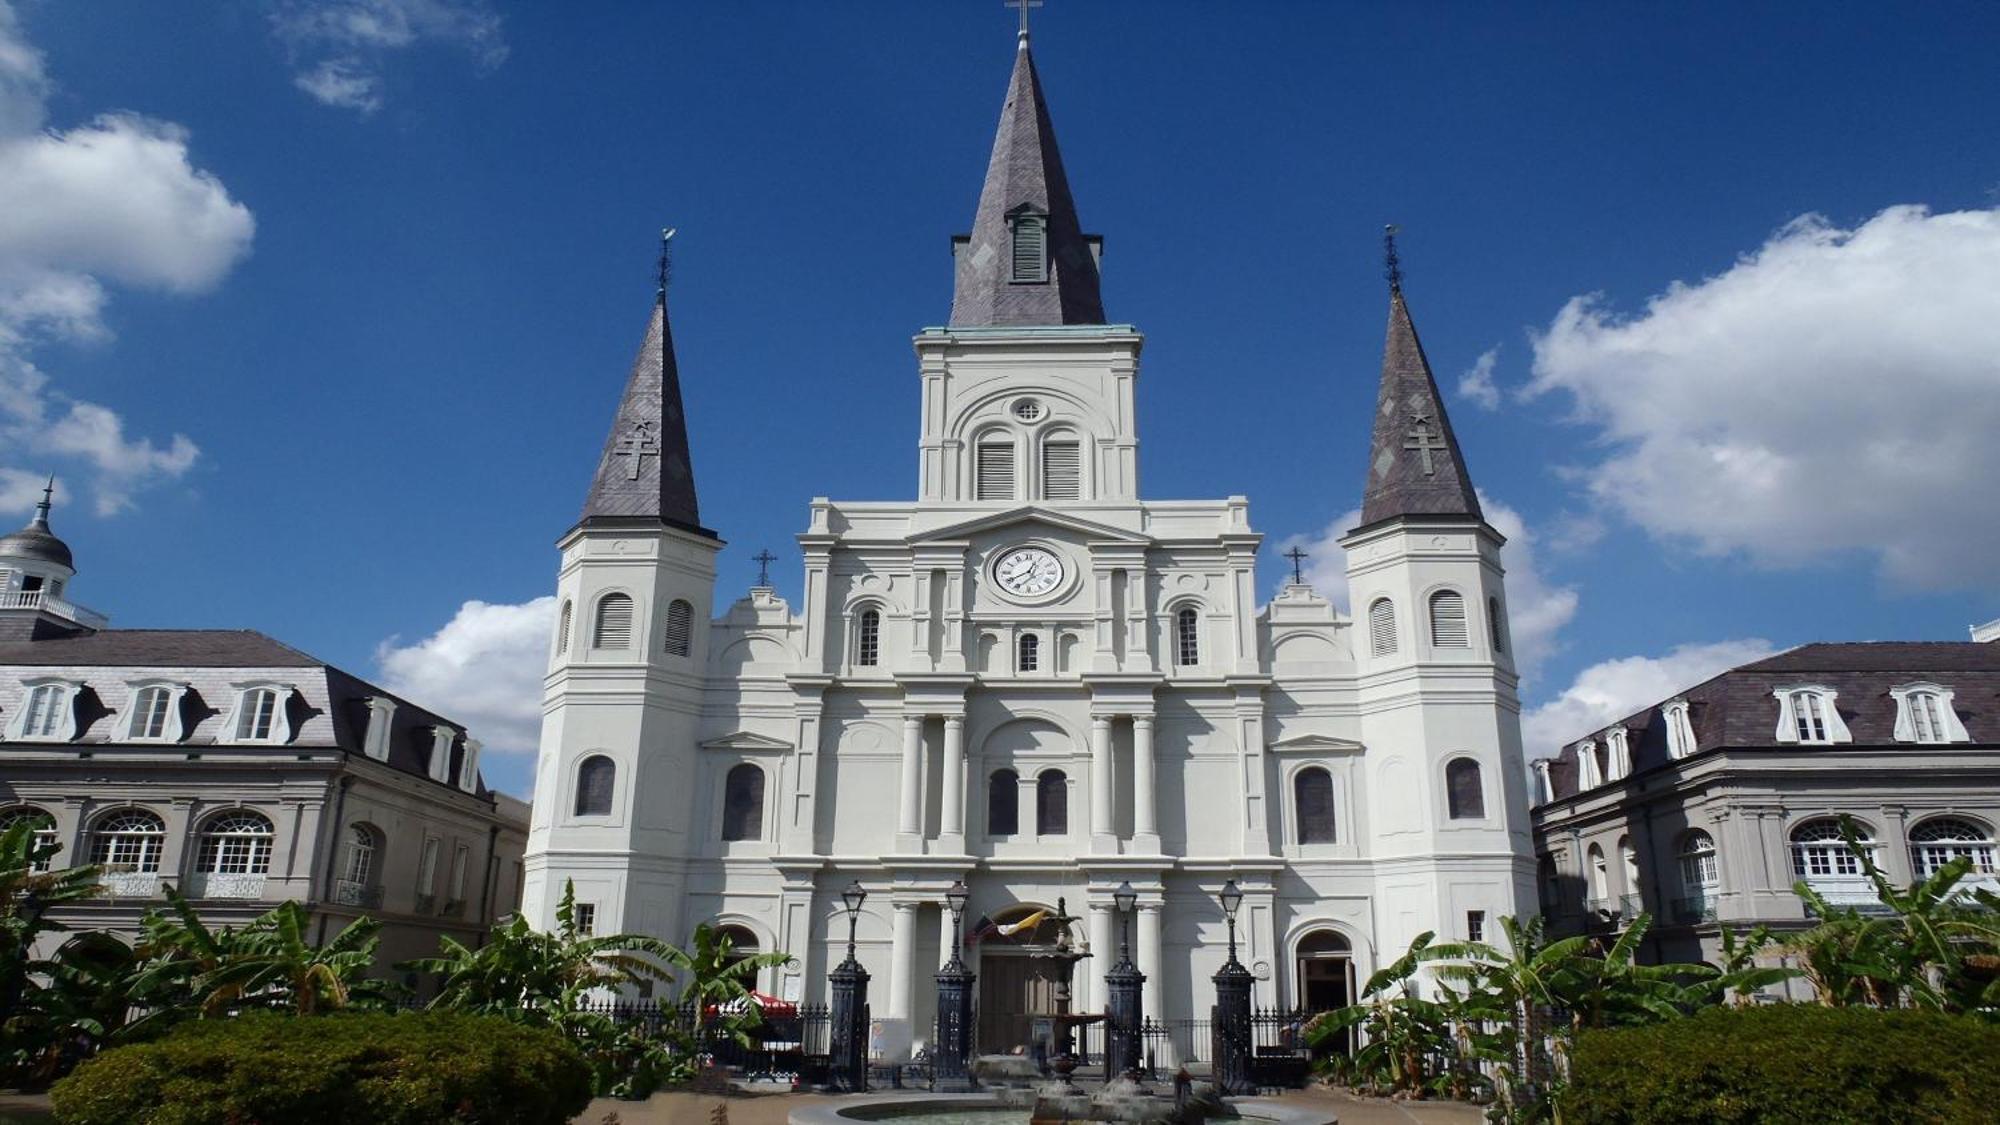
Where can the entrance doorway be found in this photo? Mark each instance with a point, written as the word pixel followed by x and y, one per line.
pixel 1014 985
pixel 1325 979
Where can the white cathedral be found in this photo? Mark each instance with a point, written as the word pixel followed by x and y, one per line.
pixel 1033 680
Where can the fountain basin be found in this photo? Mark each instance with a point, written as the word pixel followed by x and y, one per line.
pixel 920 1108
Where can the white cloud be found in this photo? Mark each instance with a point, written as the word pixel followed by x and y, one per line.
pixel 1476 385
pixel 343 46
pixel 484 668
pixel 1613 689
pixel 1537 609
pixel 1834 392
pixel 118 200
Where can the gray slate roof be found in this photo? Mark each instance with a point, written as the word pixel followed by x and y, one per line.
pixel 645 472
pixel 1737 708
pixel 1025 170
pixel 159 648
pixel 1414 464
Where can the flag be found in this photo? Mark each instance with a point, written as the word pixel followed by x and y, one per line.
pixel 1028 923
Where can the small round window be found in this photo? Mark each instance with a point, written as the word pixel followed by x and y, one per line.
pixel 1027 410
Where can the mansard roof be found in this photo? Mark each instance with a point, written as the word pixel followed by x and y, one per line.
pixel 1415 467
pixel 1738 709
pixel 1025 174
pixel 646 472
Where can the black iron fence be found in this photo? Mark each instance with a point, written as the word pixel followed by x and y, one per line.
pixel 791 1047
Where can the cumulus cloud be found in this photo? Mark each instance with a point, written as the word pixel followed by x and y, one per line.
pixel 1613 689
pixel 1834 392
pixel 117 200
pixel 484 668
pixel 1537 609
pixel 1476 385
pixel 342 47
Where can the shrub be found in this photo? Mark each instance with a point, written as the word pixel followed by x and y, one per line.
pixel 391 1069
pixel 1789 1063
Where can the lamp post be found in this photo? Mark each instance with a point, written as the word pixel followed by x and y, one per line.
pixel 954 992
pixel 848 1037
pixel 1230 1020
pixel 1122 987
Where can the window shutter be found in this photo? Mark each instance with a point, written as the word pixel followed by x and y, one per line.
pixel 1062 471
pixel 743 803
pixel 614 622
pixel 1003 803
pixel 562 630
pixel 1030 248
pixel 996 471
pixel 1052 804
pixel 594 780
pixel 680 628
pixel 1448 620
pixel 1313 791
pixel 1464 791
pixel 1382 628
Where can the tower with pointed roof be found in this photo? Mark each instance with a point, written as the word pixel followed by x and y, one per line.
pixel 35 570
pixel 624 687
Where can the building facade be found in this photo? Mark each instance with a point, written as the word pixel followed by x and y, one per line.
pixel 1703 810
pixel 1034 679
pixel 239 770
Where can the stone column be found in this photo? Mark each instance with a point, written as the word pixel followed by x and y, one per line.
pixel 911 820
pixel 1100 784
pixel 1103 953
pixel 902 959
pixel 1151 954
pixel 1145 814
pixel 952 822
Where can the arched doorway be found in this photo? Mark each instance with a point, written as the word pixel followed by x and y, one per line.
pixel 1324 975
pixel 1014 985
pixel 742 946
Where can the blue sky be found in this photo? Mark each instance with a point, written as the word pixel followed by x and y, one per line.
pixel 319 310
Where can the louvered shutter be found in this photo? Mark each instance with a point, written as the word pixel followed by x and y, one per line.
pixel 996 471
pixel 680 627
pixel 1030 248
pixel 1382 628
pixel 1062 471
pixel 614 622
pixel 1052 804
pixel 1448 620
pixel 562 630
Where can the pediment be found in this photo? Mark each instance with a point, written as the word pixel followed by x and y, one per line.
pixel 1316 744
pixel 1032 513
pixel 746 740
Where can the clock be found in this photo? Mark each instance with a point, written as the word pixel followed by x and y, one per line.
pixel 1028 572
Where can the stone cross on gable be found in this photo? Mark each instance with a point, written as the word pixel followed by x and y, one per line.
pixel 638 445
pixel 1297 556
pixel 1424 441
pixel 764 559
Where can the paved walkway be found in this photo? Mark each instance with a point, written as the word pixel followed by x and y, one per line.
pixel 772 1109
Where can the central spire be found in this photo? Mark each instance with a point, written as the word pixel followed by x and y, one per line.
pixel 1027 261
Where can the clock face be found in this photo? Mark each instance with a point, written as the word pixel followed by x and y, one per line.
pixel 1028 572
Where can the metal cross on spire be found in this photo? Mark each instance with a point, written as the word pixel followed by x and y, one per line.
pixel 666 258
pixel 1392 266
pixel 638 445
pixel 1024 5
pixel 1297 556
pixel 1424 440
pixel 764 559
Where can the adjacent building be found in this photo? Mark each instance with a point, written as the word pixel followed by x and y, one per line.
pixel 1033 678
pixel 240 770
pixel 1704 809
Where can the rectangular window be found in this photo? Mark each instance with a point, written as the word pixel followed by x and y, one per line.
pixel 460 860
pixel 1923 712
pixel 1062 471
pixel 1475 925
pixel 260 712
pixel 427 869
pixel 1811 722
pixel 150 717
pixel 996 471
pixel 585 914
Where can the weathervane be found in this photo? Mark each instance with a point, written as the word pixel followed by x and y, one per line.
pixel 1024 5
pixel 764 559
pixel 1297 556
pixel 1392 266
pixel 666 258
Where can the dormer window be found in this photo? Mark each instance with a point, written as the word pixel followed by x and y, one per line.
pixel 1924 713
pixel 1806 715
pixel 1545 788
pixel 1031 247
pixel 1680 729
pixel 1589 773
pixel 48 713
pixel 1618 747
pixel 155 713
pixel 260 714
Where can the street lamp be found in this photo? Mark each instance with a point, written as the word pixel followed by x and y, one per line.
pixel 1230 1022
pixel 1231 897
pixel 1122 990
pixel 849 1017
pixel 956 896
pixel 954 993
pixel 853 897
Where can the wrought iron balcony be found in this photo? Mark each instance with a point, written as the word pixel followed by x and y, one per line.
pixel 47 603
pixel 1631 906
pixel 1851 891
pixel 347 892
pixel 1698 906
pixel 121 881
pixel 216 885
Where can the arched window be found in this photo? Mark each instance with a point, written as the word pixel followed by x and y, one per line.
pixel 1818 852
pixel 1925 714
pixel 1003 803
pixel 1699 870
pixel 1448 620
pixel 613 628
pixel 564 621
pixel 1382 627
pixel 257 715
pixel 994 469
pixel 1628 857
pixel 1312 796
pixel 358 866
pixel 150 709
pixel 1495 625
pixel 868 638
pixel 1935 843
pixel 680 627
pixel 1465 790
pixel 1187 636
pixel 1031 247
pixel 41 827
pixel 236 844
pixel 743 803
pixel 1028 653
pixel 1052 804
pixel 128 841
pixel 1062 469
pixel 595 777
pixel 1600 874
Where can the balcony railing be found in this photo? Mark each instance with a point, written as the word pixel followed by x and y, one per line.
pixel 38 599
pixel 1631 906
pixel 1855 891
pixel 347 892
pixel 1698 906
pixel 208 884
pixel 128 883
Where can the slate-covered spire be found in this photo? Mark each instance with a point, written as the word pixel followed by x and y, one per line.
pixel 645 472
pixel 1414 464
pixel 1002 281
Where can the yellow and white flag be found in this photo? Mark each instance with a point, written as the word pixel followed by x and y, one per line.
pixel 1028 923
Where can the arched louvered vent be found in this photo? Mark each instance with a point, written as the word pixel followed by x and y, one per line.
pixel 1062 471
pixel 1030 248
pixel 680 628
pixel 1382 627
pixel 1448 620
pixel 614 622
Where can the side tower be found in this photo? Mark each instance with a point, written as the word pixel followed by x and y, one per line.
pixel 622 700
pixel 1436 681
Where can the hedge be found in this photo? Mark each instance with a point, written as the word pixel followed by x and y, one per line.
pixel 1789 1063
pixel 273 1069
